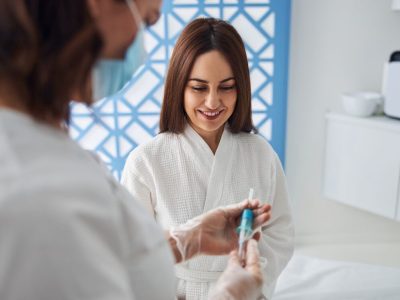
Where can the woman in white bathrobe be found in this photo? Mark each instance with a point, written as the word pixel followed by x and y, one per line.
pixel 207 153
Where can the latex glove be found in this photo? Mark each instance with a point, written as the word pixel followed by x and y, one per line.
pixel 237 282
pixel 214 232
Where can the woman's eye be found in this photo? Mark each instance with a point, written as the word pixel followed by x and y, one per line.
pixel 199 88
pixel 227 87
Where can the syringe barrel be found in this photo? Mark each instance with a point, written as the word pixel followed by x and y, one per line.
pixel 246 223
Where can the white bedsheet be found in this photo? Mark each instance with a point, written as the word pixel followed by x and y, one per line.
pixel 309 278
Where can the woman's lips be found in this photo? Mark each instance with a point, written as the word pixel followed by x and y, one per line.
pixel 211 115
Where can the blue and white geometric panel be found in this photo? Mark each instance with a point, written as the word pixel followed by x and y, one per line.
pixel 116 125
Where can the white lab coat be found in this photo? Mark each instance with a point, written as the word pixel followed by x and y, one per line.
pixel 178 177
pixel 68 230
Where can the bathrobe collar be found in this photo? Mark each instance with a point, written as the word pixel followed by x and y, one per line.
pixel 218 165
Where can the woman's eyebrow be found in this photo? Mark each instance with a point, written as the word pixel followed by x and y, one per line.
pixel 198 79
pixel 205 81
pixel 227 79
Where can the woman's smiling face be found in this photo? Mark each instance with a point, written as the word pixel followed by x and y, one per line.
pixel 210 94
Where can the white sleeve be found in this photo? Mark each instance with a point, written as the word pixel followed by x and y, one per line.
pixel 277 242
pixel 136 186
pixel 58 245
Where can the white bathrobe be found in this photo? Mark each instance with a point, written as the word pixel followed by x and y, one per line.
pixel 178 177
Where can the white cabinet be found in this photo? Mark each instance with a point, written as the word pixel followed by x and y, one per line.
pixel 362 163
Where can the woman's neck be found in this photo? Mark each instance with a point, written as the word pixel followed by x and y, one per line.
pixel 212 138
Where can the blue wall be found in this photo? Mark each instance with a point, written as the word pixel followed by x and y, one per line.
pixel 118 124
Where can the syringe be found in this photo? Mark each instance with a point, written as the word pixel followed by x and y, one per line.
pixel 245 229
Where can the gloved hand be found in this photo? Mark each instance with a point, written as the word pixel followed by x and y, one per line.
pixel 237 282
pixel 214 232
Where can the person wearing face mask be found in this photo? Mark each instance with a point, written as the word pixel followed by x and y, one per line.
pixel 110 74
pixel 68 230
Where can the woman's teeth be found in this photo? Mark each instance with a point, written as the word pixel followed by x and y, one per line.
pixel 211 114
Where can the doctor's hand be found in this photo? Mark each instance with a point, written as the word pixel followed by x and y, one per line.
pixel 238 282
pixel 214 232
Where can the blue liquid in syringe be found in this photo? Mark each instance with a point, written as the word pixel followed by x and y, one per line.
pixel 245 229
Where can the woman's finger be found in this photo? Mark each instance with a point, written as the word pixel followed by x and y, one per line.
pixel 235 210
pixel 234 258
pixel 261 220
pixel 262 209
pixel 253 259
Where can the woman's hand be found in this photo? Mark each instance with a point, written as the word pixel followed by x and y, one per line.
pixel 217 232
pixel 214 232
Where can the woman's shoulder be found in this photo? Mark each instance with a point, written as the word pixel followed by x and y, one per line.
pixel 254 142
pixel 257 149
pixel 154 148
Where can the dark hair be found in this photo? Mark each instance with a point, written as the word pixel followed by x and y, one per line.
pixel 48 49
pixel 201 36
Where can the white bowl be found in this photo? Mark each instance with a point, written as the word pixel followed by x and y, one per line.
pixel 361 104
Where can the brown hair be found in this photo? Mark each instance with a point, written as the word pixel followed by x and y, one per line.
pixel 48 49
pixel 201 36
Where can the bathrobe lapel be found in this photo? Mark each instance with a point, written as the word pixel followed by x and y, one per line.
pixel 216 166
pixel 222 165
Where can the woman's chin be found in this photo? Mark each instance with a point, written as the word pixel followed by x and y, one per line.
pixel 209 126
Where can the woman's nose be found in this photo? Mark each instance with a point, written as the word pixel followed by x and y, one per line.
pixel 212 101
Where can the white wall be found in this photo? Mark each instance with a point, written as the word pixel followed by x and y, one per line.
pixel 336 46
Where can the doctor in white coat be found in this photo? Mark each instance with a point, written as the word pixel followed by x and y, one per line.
pixel 207 155
pixel 68 230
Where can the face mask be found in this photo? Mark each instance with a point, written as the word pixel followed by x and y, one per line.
pixel 110 75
